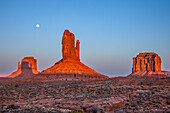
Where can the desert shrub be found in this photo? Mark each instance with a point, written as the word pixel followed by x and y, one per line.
pixel 85 109
pixel 95 109
pixel 77 111
pixel 12 106
pixel 168 102
pixel 16 85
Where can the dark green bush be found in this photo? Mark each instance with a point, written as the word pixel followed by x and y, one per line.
pixel 12 106
pixel 16 85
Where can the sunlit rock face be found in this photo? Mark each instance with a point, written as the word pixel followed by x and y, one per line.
pixel 70 63
pixel 69 51
pixel 147 64
pixel 28 66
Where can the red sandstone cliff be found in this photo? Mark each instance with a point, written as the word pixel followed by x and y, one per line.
pixel 147 64
pixel 69 51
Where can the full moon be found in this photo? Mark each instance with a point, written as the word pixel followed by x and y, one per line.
pixel 37 25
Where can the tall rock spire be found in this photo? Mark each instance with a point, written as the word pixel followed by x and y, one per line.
pixel 69 51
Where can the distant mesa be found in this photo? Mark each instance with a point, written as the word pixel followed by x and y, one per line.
pixel 27 67
pixel 147 64
pixel 70 63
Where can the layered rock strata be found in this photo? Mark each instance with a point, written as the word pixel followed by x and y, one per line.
pixel 28 66
pixel 147 64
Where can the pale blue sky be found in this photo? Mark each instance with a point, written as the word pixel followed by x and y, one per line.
pixel 111 32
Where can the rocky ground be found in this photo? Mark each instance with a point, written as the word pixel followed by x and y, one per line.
pixel 119 95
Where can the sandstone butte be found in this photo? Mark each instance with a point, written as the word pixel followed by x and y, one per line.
pixel 147 64
pixel 70 63
pixel 27 67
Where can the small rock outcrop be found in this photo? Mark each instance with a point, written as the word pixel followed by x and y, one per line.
pixel 28 66
pixel 147 64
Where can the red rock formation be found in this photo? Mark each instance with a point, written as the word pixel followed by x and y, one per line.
pixel 28 66
pixel 148 63
pixel 70 64
pixel 69 51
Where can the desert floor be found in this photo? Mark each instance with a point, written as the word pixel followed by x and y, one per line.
pixel 117 95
